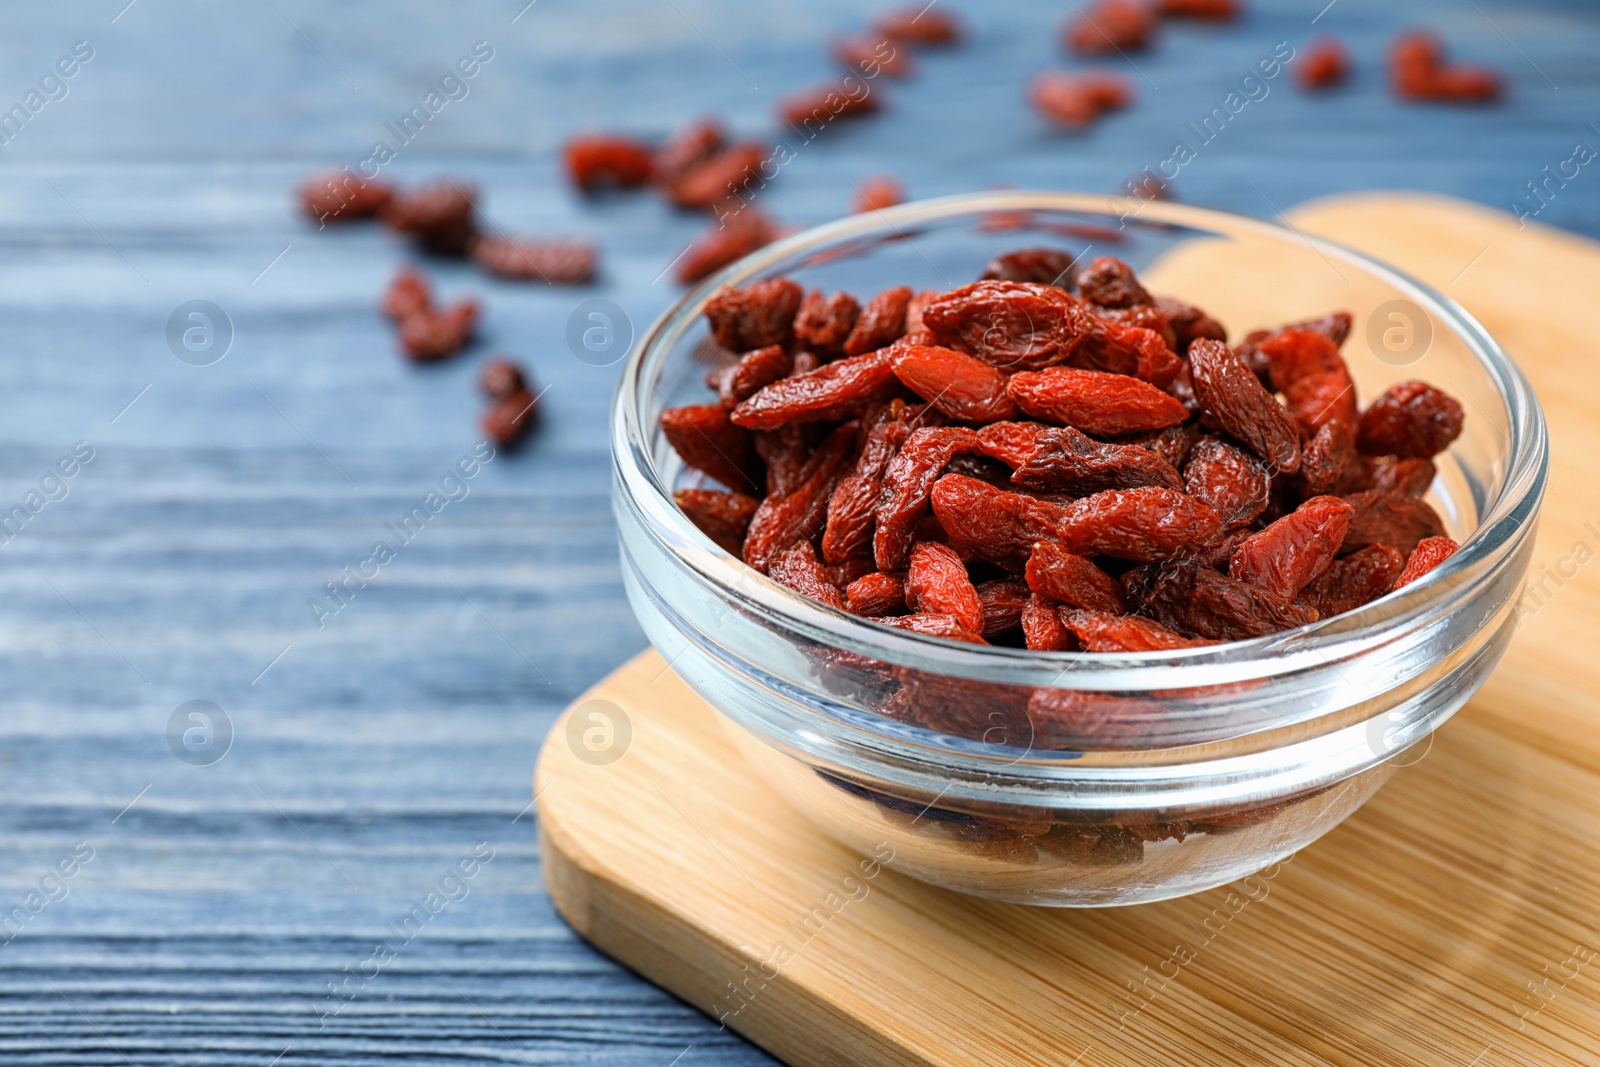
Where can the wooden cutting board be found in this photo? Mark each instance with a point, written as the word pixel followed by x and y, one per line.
pixel 1453 920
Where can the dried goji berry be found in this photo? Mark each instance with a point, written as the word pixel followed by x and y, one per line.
pixel 1289 553
pixel 1095 402
pixel 832 391
pixel 1077 100
pixel 755 370
pixel 407 295
pixel 708 442
pixel 784 451
pixel 1325 64
pixel 501 378
pixel 1171 444
pixel 1411 419
pixel 717 177
pixel 1419 72
pixel 781 520
pixel 842 574
pixel 440 216
pixel 1121 348
pixel 824 322
pixel 555 262
pixel 876 594
pixel 881 322
pixel 960 386
pixel 1236 401
pixel 937 584
pixel 1144 316
pixel 996 525
pixel 1390 518
pixel 1013 325
pixel 339 196
pixel 722 516
pixel 811 110
pixel 760 314
pixel 871 55
pixel 1413 477
pixel 687 148
pixel 1143 524
pixel 1328 462
pixel 725 242
pixel 1041 626
pixel 1003 602
pixel 1211 10
pixel 797 568
pixel 1054 572
pixel 1109 282
pixel 1308 370
pixel 945 626
pixel 1355 580
pixel 1042 266
pixel 429 336
pixel 1429 553
pixel 1189 323
pixel 852 510
pixel 919 25
pixel 1100 631
pixel 1110 26
pixel 1229 479
pixel 508 419
pixel 601 159
pixel 877 193
pixel 906 486
pixel 1062 460
pixel 1196 600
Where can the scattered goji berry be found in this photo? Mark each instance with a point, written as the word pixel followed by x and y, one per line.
pixel 870 55
pixel 1386 517
pixel 877 193
pixel 1012 325
pixel 876 594
pixel 1412 420
pixel 407 295
pixel 431 335
pixel 724 243
pixel 1419 72
pixel 1069 578
pixel 881 322
pixel 1100 631
pixel 1229 479
pixel 1094 401
pixel 1041 626
pixel 919 25
pixel 509 418
pixel 1041 266
pixel 937 584
pixel 781 520
pixel 1077 100
pixel 1357 579
pixel 597 160
pixel 1110 26
pixel 812 110
pixel 964 388
pixel 760 314
pixel 555 262
pixel 1429 553
pixel 339 196
pixel 1211 10
pixel 705 439
pixel 722 516
pixel 721 175
pixel 797 568
pixel 824 322
pixel 1291 552
pixel 1236 401
pixel 440 216
pixel 1326 63
pixel 686 149
pixel 501 378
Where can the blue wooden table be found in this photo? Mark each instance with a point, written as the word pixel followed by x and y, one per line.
pixel 375 787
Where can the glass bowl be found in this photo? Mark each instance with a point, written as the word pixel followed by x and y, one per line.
pixel 1179 770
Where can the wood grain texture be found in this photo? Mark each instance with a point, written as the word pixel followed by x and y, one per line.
pixel 381 748
pixel 1449 921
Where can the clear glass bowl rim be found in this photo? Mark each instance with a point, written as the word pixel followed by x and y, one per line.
pixel 1501 528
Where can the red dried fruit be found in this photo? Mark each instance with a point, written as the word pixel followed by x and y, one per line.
pixel 964 388
pixel 1010 442
pixel 907 483
pixel 725 242
pixel 945 626
pixel 797 568
pixel 937 584
pixel 754 371
pixel 760 314
pixel 915 328
pixel 409 294
pixel 1003 602
pixel 1196 600
pixel 1411 419
pixel 597 160
pixel 1077 100
pixel 1062 460
pixel 1189 323
pixel 785 452
pixel 824 322
pixel 722 516
pixel 429 336
pixel 1294 550
pixel 509 418
pixel 1071 579
pixel 852 509
pixel 876 594
pixel 1123 348
pixel 832 391
pixel 502 378
pixel 870 55
pixel 1229 479
pixel 920 26
pixel 1095 402
pixel 1041 627
pixel 1389 518
pixel 708 442
pixel 1041 266
pixel 1111 283
pixel 1101 631
pixel 1355 580
pixel 881 322
pixel 1328 462
pixel 339 196
pixel 1237 403
pixel 439 215
pixel 842 574
pixel 1012 325
pixel 811 110
pixel 1171 444
pixel 1211 10
pixel 1110 26
pixel 1429 553
pixel 717 177
pixel 1413 477
pixel 689 147
pixel 1308 370
pixel 783 519
pixel 1419 72
pixel 877 193
pixel 1144 524
pixel 1324 64
pixel 555 262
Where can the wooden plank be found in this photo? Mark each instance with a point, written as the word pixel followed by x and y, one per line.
pixel 1448 921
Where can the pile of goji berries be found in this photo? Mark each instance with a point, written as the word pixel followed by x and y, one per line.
pixel 1055 458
